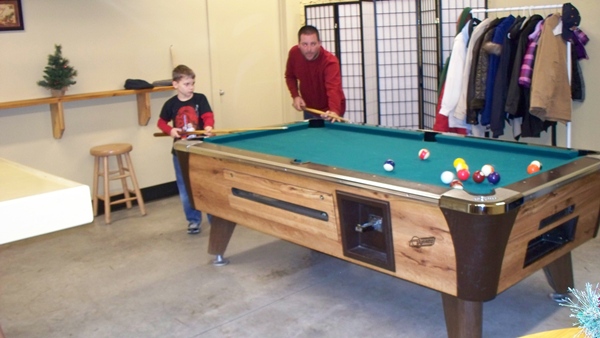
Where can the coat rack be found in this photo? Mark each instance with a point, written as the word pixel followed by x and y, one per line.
pixel 531 9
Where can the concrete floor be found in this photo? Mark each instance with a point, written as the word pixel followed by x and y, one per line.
pixel 146 277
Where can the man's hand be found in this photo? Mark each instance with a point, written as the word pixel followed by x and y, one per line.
pixel 331 116
pixel 208 130
pixel 299 103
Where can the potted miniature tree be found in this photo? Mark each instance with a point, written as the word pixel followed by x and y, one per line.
pixel 58 73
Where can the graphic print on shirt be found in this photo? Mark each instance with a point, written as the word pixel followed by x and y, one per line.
pixel 186 119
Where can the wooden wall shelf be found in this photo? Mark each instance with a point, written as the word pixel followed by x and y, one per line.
pixel 57 110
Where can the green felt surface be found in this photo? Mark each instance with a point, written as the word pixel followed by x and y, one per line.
pixel 365 149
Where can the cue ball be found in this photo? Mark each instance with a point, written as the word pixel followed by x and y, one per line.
pixel 487 169
pixel 447 177
pixel 478 176
pixel 389 165
pixel 494 177
pixel 423 154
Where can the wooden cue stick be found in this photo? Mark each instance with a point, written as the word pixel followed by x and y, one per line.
pixel 223 131
pixel 318 112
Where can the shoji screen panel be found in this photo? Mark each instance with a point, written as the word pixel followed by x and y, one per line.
pixel 398 68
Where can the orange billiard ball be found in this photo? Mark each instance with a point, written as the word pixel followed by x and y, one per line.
pixel 532 168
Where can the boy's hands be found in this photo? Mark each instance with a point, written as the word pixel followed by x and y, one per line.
pixel 175 132
pixel 178 133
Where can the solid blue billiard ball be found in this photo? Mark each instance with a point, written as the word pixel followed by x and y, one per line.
pixel 389 165
pixel 494 177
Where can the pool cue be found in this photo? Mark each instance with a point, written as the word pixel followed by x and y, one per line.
pixel 318 112
pixel 223 131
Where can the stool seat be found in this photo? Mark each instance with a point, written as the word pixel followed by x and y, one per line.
pixel 102 154
pixel 111 149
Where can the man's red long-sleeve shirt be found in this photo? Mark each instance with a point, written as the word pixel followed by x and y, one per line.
pixel 318 81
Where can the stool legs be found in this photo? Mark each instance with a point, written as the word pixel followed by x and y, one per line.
pixel 95 188
pixel 106 177
pixel 124 170
pixel 124 179
pixel 136 187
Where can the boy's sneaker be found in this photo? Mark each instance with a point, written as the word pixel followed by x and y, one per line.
pixel 194 228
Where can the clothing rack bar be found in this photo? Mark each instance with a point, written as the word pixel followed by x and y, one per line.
pixel 510 9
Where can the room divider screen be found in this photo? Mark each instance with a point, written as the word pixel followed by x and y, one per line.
pixel 391 53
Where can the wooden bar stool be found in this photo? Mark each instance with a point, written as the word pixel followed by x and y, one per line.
pixel 102 154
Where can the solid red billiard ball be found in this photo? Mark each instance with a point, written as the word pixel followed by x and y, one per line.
pixel 494 177
pixel 478 177
pixel 463 174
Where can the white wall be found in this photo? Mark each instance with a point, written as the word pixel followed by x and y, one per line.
pixel 108 41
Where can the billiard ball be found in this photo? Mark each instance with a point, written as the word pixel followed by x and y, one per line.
pixel 461 166
pixel 487 169
pixel 456 184
pixel 532 168
pixel 447 177
pixel 478 176
pixel 463 174
pixel 537 163
pixel 457 161
pixel 423 154
pixel 493 177
pixel 389 165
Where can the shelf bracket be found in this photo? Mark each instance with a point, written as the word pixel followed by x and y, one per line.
pixel 143 105
pixel 58 119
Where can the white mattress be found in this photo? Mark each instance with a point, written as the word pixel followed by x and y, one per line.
pixel 33 202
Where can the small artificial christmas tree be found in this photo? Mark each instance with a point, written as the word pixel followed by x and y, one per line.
pixel 59 75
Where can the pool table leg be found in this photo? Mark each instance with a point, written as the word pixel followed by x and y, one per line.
pixel 464 319
pixel 560 277
pixel 220 234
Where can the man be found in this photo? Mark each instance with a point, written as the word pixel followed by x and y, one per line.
pixel 313 77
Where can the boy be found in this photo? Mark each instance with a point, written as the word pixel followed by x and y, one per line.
pixel 189 111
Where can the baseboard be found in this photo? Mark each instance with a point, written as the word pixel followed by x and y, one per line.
pixel 149 194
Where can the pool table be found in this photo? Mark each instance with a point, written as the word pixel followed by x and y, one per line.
pixel 322 185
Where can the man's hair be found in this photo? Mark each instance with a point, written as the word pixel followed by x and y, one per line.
pixel 181 71
pixel 309 30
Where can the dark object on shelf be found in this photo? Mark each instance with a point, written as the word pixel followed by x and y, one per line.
pixel 137 84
